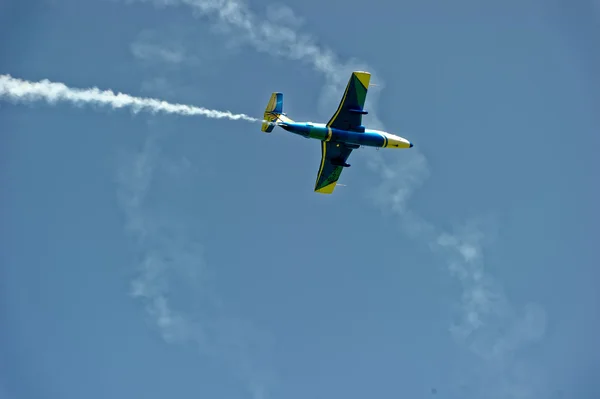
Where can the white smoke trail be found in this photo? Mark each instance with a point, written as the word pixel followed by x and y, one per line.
pixel 19 90
pixel 275 33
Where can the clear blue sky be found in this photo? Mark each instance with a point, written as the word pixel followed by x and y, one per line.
pixel 155 256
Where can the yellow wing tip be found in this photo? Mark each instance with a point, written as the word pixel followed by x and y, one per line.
pixel 363 76
pixel 328 189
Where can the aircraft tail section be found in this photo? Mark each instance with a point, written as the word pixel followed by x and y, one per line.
pixel 274 113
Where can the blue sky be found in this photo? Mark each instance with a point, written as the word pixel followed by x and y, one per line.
pixel 167 256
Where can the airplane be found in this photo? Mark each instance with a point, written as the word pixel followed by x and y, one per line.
pixel 340 136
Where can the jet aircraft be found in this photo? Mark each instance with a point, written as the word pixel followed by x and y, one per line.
pixel 340 136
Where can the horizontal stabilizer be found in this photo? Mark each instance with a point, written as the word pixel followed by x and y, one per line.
pixel 275 104
pixel 267 126
pixel 272 112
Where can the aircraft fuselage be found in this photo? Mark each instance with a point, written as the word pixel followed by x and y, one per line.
pixel 354 139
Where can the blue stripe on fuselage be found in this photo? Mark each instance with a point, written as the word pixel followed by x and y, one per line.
pixel 368 138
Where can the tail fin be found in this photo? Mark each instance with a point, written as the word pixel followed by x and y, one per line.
pixel 274 113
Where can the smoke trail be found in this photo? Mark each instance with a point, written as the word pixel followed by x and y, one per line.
pixel 25 91
pixel 277 34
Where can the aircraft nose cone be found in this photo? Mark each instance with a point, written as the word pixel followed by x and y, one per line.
pixel 411 145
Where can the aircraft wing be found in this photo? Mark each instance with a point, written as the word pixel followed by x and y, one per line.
pixel 333 156
pixel 350 110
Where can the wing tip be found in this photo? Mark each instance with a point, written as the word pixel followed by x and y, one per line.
pixel 363 77
pixel 328 189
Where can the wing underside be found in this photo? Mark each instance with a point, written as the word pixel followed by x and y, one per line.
pixel 333 156
pixel 348 115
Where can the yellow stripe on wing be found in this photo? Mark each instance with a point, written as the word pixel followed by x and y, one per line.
pixel 323 157
pixel 334 117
